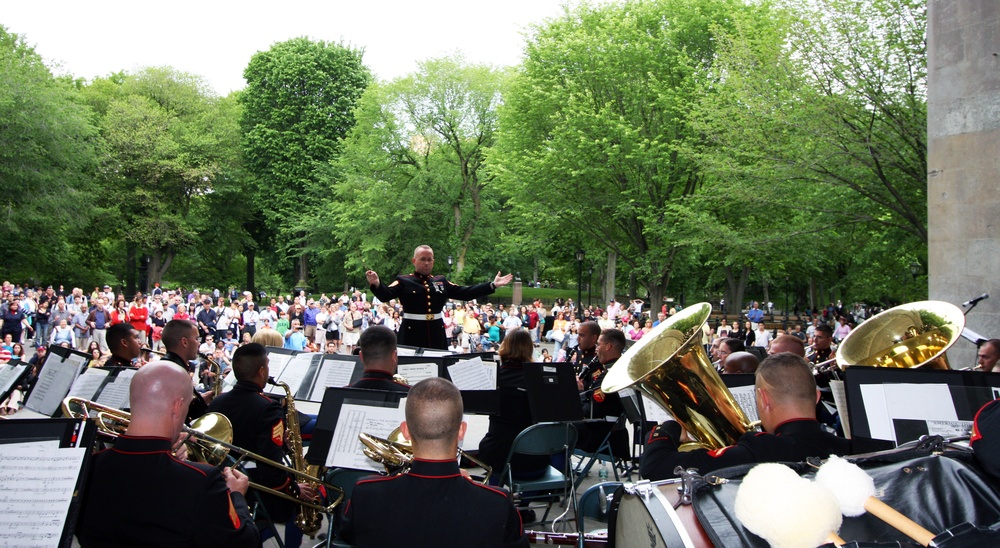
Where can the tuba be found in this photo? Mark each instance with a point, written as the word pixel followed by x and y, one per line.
pixel 670 365
pixel 908 336
pixel 396 453
pixel 308 519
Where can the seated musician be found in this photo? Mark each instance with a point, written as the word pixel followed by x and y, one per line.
pixel 985 439
pixel 139 493
pixel 377 346
pixel 602 410
pixel 988 355
pixel 125 345
pixel 740 362
pixel 259 426
pixel 433 504
pixel 515 413
pixel 181 339
pixel 786 403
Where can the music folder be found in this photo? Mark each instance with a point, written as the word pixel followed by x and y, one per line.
pixel 344 414
pixel 552 392
pixel 44 463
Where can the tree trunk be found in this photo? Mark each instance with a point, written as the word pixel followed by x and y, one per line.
pixel 534 272
pixel 812 293
pixel 609 279
pixel 302 271
pixel 632 289
pixel 250 253
pixel 734 297
pixel 767 294
pixel 129 268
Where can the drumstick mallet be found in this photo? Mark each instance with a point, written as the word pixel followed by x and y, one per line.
pixel 855 491
pixel 788 511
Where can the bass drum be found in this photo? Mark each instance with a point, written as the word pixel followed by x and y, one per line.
pixel 643 515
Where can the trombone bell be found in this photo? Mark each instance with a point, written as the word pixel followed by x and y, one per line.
pixel 669 365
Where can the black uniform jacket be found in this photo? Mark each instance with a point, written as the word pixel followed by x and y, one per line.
pixel 138 494
pixel 426 296
pixel 985 440
pixel 259 426
pixel 198 406
pixel 792 441
pixel 514 416
pixel 431 505
pixel 379 380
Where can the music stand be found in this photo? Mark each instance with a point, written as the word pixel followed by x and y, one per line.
pixel 329 420
pixel 11 375
pixel 552 392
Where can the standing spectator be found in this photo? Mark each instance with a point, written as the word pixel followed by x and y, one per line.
pixel 762 337
pixel 352 326
pixel 294 338
pixel 81 328
pixel 309 320
pixel 206 319
pixel 842 331
pixel 250 319
pixel 138 316
pixel 42 325
pixel 14 321
pixel 755 315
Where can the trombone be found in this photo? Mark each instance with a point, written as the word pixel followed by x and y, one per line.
pixel 204 447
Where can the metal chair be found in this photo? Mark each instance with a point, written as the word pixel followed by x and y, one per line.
pixel 591 505
pixel 547 438
pixel 605 454
pixel 345 479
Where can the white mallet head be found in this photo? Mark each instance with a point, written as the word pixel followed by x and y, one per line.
pixel 848 482
pixel 786 510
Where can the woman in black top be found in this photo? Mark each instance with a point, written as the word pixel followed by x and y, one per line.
pixel 515 413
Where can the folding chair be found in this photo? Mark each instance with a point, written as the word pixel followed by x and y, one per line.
pixel 547 438
pixel 345 479
pixel 604 453
pixel 592 506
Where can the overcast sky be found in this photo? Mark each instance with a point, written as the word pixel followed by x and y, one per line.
pixel 215 39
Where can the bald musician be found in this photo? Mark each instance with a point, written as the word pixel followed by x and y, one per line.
pixel 740 362
pixel 786 403
pixel 787 343
pixel 988 355
pixel 140 494
pixel 433 504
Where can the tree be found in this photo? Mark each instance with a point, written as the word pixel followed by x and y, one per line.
pixel 421 139
pixel 297 106
pixel 595 127
pixel 47 162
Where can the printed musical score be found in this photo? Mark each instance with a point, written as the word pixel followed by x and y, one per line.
pixel 345 449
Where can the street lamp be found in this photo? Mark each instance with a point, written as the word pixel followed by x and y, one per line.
pixel 914 270
pixel 579 282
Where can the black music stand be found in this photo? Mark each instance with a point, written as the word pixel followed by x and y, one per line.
pixel 11 375
pixel 329 417
pixel 552 392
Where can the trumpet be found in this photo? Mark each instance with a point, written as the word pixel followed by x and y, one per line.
pixel 203 443
pixel 151 351
pixel 396 454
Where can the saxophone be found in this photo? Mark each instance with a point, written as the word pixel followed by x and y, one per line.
pixel 308 518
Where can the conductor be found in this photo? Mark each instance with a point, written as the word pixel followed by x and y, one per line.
pixel 423 296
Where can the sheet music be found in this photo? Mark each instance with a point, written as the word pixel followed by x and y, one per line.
pixel 435 353
pixel 86 385
pixel 471 375
pixel 491 371
pixel 885 402
pixel 336 373
pixel 277 363
pixel 54 383
pixel 406 351
pixel 654 412
pixel 345 449
pixel 36 489
pixel 9 374
pixel 293 374
pixel 115 394
pixel 746 397
pixel 416 372
pixel 229 381
pixel 840 400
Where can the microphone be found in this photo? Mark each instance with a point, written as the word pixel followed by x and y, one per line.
pixel 982 297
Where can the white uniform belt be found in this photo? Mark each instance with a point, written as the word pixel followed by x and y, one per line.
pixel 422 317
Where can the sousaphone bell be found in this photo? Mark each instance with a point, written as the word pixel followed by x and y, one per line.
pixel 670 365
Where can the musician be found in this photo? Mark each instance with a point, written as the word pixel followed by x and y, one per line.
pixel 125 345
pixel 259 426
pixel 181 339
pixel 139 493
pixel 822 344
pixel 378 355
pixel 728 347
pixel 433 504
pixel 601 408
pixel 584 354
pixel 740 362
pixel 985 439
pixel 987 356
pixel 786 403
pixel 787 343
pixel 423 296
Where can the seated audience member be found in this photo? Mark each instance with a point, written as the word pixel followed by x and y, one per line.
pixel 433 504
pixel 786 403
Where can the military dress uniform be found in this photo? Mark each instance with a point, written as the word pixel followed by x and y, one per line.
pixel 602 411
pixel 379 380
pixel 259 426
pixel 423 298
pixel 432 505
pixel 139 494
pixel 198 406
pixel 792 441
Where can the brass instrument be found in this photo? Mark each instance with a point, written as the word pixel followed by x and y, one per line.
pixel 151 351
pixel 308 519
pixel 217 380
pixel 670 365
pixel 204 444
pixel 396 453
pixel 908 336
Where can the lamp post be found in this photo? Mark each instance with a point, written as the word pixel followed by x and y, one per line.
pixel 914 270
pixel 579 283
pixel 451 261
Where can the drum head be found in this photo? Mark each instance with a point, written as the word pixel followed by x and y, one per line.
pixel 645 520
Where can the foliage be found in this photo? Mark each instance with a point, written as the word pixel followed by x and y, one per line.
pixel 46 165
pixel 297 107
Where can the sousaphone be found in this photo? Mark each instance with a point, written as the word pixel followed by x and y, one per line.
pixel 908 336
pixel 670 365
